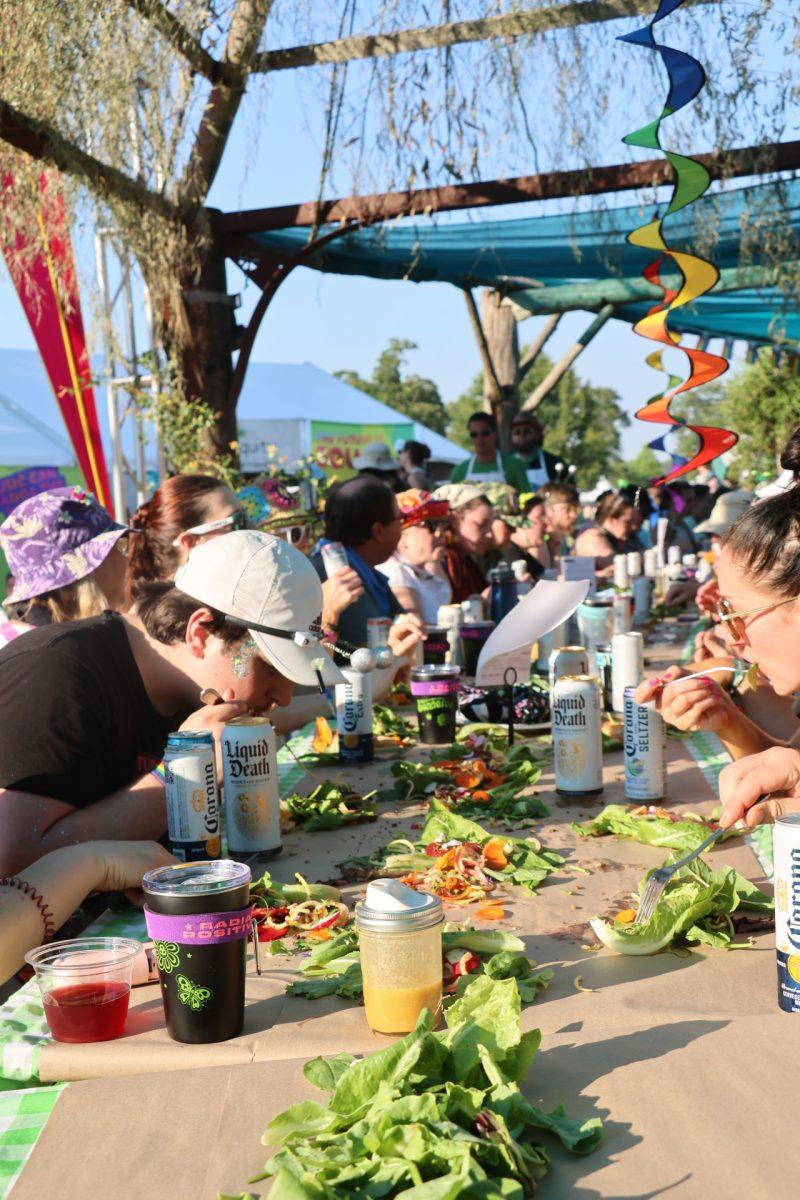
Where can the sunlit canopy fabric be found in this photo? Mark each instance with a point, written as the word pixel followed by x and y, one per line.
pixel 520 254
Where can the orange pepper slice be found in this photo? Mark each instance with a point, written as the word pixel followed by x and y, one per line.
pixel 626 917
pixel 466 779
pixel 494 852
pixel 490 913
pixel 480 797
pixel 323 736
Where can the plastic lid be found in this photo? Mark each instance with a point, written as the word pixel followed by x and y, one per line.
pixel 197 878
pixel 391 907
pixel 432 671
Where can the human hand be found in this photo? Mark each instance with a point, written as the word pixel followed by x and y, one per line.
pixel 406 631
pixel 748 787
pixel 338 593
pixel 708 597
pixel 682 592
pixel 709 644
pixel 121 865
pixel 693 704
pixel 212 718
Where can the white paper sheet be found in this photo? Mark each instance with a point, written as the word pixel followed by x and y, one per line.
pixel 510 643
pixel 579 566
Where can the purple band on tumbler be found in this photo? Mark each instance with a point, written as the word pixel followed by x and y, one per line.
pixel 433 646
pixel 435 687
pixel 199 929
pixel 468 631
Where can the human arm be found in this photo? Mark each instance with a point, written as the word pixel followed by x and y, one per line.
pixel 406 631
pixel 64 878
pixel 761 787
pixel 338 593
pixel 593 543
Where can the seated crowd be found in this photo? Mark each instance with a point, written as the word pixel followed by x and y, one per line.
pixel 116 635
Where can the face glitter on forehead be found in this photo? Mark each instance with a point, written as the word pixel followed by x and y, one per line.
pixel 242 657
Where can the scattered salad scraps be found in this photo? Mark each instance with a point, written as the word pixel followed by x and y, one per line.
pixel 438 1115
pixel 696 906
pixel 487 786
pixel 651 825
pixel 329 806
pixel 302 910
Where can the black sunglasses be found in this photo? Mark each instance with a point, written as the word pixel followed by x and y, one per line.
pixel 479 433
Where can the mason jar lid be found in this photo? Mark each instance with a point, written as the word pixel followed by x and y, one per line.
pixel 197 878
pixel 391 907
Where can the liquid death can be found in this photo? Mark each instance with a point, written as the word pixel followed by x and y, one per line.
pixel 190 771
pixel 567 660
pixel 786 854
pixel 644 743
pixel 250 780
pixel 577 716
pixel 354 717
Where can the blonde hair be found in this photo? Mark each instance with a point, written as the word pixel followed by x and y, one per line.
pixel 84 598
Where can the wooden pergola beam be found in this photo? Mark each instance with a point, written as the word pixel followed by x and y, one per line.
pixel 584 181
pixel 434 37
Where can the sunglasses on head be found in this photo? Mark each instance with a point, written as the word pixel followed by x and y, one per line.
pixel 238 519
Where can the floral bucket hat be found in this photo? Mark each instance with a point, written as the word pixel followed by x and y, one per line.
pixel 418 506
pixel 54 539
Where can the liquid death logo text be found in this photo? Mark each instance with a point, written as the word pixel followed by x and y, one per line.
pixel 570 712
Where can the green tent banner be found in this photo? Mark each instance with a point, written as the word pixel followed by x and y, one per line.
pixel 334 444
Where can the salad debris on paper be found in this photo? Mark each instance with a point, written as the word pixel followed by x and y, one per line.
pixel 329 806
pixel 697 905
pixel 651 825
pixel 433 1116
pixel 389 730
pixel 306 911
pixel 483 783
pixel 335 967
pixel 459 861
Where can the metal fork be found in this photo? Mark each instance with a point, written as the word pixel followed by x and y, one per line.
pixel 661 877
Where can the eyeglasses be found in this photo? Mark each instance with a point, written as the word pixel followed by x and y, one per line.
pixel 238 519
pixel 735 619
pixel 294 534
pixel 479 434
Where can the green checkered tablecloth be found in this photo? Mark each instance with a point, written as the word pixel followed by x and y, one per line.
pixel 24 1109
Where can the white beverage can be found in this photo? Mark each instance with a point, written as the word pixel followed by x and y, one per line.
pixel 786 855
pixel 354 717
pixel 567 660
pixel 620 570
pixel 642 597
pixel 250 782
pixel 650 562
pixel 577 715
pixel 471 610
pixel 634 564
pixel 627 667
pixel 623 613
pixel 378 629
pixel 192 795
pixel 674 555
pixel 551 641
pixel 334 556
pixel 644 743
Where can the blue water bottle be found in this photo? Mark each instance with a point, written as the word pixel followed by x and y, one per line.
pixel 503 595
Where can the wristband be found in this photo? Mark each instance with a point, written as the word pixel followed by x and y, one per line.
pixel 38 899
pixel 160 774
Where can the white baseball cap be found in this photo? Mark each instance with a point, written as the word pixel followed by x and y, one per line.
pixel 273 590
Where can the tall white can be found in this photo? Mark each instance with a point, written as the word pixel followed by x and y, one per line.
pixel 786 855
pixel 644 743
pixel 250 780
pixel 334 558
pixel 354 717
pixel 634 564
pixel 577 715
pixel 651 562
pixel 621 571
pixel 567 660
pixel 623 612
pixel 627 668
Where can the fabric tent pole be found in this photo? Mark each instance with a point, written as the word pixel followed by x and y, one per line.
pixel 561 367
pixel 538 344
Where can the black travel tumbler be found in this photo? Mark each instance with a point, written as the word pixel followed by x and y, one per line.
pixel 435 692
pixel 199 917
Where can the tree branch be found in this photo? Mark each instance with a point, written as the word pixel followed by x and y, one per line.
pixel 480 338
pixel 244 34
pixel 537 345
pixel 46 144
pixel 185 42
pixel 431 37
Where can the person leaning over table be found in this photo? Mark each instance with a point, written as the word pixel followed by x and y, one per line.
pixel 487 464
pixel 415 572
pixel 35 903
pixel 86 707
pixel 758 571
pixel 562 508
pixel 364 516
pixel 612 532
pixel 467 539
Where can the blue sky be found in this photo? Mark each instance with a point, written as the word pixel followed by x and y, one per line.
pixel 344 322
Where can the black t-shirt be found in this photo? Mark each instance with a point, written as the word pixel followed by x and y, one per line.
pixel 75 720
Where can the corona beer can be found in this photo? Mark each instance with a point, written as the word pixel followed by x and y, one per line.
pixel 627 668
pixel 786 854
pixel 567 660
pixel 250 782
pixel 644 742
pixel 354 717
pixel 378 631
pixel 334 557
pixel 190 772
pixel 577 716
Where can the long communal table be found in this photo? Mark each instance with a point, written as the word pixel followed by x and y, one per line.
pixel 687 1058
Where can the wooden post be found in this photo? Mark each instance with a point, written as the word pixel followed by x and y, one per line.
pixel 551 379
pixel 500 329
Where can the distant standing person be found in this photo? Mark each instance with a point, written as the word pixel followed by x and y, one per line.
pixel 376 460
pixel 540 465
pixel 487 464
pixel 413 460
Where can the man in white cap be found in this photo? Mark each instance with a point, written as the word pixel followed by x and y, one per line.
pixel 86 706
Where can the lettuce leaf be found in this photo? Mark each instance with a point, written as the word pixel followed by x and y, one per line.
pixel 684 835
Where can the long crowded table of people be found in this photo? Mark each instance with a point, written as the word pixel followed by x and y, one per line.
pixel 267 830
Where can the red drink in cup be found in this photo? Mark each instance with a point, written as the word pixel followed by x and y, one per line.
pixel 85 985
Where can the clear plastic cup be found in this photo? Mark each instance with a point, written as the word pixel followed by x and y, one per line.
pixel 85 985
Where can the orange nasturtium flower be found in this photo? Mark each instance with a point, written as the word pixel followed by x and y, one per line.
pixel 494 852
pixel 626 917
pixel 490 913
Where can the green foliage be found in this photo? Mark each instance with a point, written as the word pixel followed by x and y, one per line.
pixel 460 411
pixel 412 395
pixel 643 467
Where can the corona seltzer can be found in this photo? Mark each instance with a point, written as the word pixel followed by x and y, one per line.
pixel 644 743
pixel 786 854
pixel 250 782
pixel 567 660
pixel 190 772
pixel 577 715
pixel 354 717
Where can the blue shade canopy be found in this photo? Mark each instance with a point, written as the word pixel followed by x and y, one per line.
pixel 587 248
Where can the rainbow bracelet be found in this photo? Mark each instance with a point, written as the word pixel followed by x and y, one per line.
pixel 160 774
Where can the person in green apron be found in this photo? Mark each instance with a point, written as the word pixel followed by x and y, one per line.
pixel 487 464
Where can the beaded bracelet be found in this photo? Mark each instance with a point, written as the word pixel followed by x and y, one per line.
pixel 28 889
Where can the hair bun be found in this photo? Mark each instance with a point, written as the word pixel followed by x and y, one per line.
pixel 790 455
pixel 138 520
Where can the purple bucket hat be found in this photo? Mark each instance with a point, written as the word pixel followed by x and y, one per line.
pixel 54 539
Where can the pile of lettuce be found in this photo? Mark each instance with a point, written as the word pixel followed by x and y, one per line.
pixel 500 801
pixel 695 907
pixel 434 1116
pixel 529 862
pixel 334 967
pixel 330 806
pixel 653 829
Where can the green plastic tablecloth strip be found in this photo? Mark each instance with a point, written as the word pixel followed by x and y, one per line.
pixel 23 1116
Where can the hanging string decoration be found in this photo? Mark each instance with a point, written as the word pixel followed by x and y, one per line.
pixel 686 78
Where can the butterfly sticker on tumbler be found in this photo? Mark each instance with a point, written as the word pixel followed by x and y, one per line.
pixel 191 994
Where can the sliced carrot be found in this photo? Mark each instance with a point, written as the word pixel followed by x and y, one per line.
pixel 480 797
pixel 626 917
pixel 467 779
pixel 489 913
pixel 323 736
pixel 494 852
